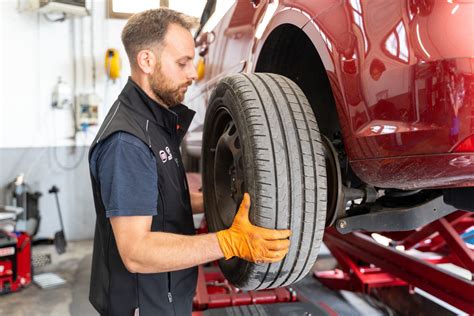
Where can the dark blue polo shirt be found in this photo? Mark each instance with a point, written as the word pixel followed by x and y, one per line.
pixel 125 169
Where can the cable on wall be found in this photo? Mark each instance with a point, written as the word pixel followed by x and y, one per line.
pixel 74 165
pixel 83 55
pixel 74 104
pixel 74 71
pixel 94 69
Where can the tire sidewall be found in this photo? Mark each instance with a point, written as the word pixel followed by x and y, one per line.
pixel 224 98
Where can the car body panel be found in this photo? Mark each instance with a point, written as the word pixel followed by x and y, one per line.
pixel 401 74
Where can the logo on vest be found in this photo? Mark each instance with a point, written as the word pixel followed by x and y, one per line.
pixel 165 156
pixel 170 156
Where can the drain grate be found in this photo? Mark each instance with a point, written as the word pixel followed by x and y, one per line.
pixel 40 260
pixel 48 280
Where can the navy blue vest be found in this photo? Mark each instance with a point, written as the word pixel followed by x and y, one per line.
pixel 114 290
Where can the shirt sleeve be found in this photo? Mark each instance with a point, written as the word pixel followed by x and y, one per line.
pixel 126 172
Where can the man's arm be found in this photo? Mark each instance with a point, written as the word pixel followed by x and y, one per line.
pixel 197 202
pixel 143 251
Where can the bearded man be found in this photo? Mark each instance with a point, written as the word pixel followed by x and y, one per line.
pixel 145 251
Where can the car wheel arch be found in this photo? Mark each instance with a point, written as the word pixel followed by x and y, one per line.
pixel 289 41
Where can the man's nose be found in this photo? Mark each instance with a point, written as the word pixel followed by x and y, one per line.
pixel 192 72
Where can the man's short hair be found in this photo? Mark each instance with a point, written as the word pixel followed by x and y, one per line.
pixel 147 29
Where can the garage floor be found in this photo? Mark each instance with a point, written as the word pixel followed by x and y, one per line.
pixel 68 299
pixel 72 298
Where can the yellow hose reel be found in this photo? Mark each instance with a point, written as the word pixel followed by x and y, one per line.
pixel 200 68
pixel 112 63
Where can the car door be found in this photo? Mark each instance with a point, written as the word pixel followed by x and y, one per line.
pixel 223 41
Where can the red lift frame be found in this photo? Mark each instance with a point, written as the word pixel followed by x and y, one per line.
pixel 214 291
pixel 386 266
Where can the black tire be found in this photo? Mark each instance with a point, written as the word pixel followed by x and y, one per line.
pixel 261 136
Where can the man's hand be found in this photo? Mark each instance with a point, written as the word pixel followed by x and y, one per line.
pixel 252 243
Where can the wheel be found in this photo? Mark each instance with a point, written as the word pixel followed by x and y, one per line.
pixel 260 136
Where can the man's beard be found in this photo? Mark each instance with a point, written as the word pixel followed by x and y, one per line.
pixel 165 90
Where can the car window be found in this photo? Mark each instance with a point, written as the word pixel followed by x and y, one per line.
pixel 209 9
pixel 220 9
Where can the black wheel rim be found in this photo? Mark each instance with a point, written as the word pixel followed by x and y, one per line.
pixel 228 173
pixel 225 176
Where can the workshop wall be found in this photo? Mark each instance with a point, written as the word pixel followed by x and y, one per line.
pixel 42 172
pixel 36 139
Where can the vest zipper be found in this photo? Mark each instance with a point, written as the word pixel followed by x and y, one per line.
pixel 177 158
pixel 170 296
pixel 138 293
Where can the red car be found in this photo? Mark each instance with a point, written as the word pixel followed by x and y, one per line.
pixel 357 114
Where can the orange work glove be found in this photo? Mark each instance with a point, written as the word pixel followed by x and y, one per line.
pixel 252 243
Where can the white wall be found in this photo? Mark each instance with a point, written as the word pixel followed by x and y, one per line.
pixel 34 53
pixel 34 137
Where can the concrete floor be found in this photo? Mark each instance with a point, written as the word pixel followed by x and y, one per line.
pixel 68 299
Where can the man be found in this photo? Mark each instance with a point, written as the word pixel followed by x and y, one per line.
pixel 145 251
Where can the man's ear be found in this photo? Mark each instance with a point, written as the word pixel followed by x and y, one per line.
pixel 146 61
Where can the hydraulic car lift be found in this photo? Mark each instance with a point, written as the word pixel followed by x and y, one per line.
pixel 215 291
pixel 412 259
